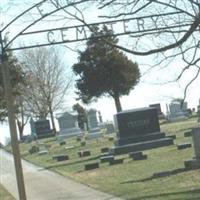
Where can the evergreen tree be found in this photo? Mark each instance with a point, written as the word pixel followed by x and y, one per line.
pixel 104 70
pixel 17 79
pixel 82 115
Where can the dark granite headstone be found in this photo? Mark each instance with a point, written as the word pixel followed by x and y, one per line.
pixel 137 122
pixel 157 106
pixel 184 146
pixel 62 143
pixel 110 138
pixel 104 149
pixel 138 130
pixel 91 166
pixel 117 161
pixel 84 153
pixel 172 136
pixel 137 155
pixel 41 128
pixel 188 134
pixel 60 157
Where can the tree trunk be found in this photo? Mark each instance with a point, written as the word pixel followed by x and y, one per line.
pixel 52 120
pixel 117 102
pixel 20 129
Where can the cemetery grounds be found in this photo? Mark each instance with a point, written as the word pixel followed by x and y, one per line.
pixel 132 179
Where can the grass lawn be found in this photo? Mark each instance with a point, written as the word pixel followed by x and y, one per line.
pixel 132 179
pixel 4 195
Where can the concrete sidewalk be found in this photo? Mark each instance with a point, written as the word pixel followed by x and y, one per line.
pixel 45 185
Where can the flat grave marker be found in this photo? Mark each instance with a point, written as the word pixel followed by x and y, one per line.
pixel 184 146
pixel 137 155
pixel 60 157
pixel 107 158
pixel 188 134
pixel 92 166
pixel 84 153
pixel 116 161
pixel 104 149
pixel 69 147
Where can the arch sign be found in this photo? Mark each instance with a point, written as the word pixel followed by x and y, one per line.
pixel 32 36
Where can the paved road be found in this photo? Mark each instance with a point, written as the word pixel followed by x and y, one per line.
pixel 45 185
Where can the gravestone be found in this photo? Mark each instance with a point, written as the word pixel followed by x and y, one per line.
pixel 138 130
pixel 159 111
pixel 177 110
pixel 68 125
pixel 60 157
pixel 94 131
pixel 137 155
pixel 104 149
pixel 195 162
pixel 43 152
pixel 91 166
pixel 109 128
pixel 111 138
pixel 184 146
pixel 188 134
pixel 69 147
pixel 106 158
pixel 41 128
pixel 92 119
pixel 84 153
pixel 116 161
pixel 172 136
pixel 62 142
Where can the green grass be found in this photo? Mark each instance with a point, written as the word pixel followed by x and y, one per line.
pixel 4 194
pixel 132 179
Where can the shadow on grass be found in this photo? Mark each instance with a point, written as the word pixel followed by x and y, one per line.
pixel 158 175
pixel 67 164
pixel 172 194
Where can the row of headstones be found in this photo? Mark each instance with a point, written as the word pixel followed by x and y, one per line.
pixel 68 123
pixel 41 129
pixel 105 157
pixel 135 155
pixel 175 110
pixel 42 149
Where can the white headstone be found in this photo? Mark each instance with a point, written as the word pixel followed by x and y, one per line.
pixel 68 125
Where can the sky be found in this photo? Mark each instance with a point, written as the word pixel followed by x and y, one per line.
pixel 156 86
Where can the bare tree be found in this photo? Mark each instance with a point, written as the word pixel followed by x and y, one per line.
pixel 167 29
pixel 48 82
pixel 22 113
